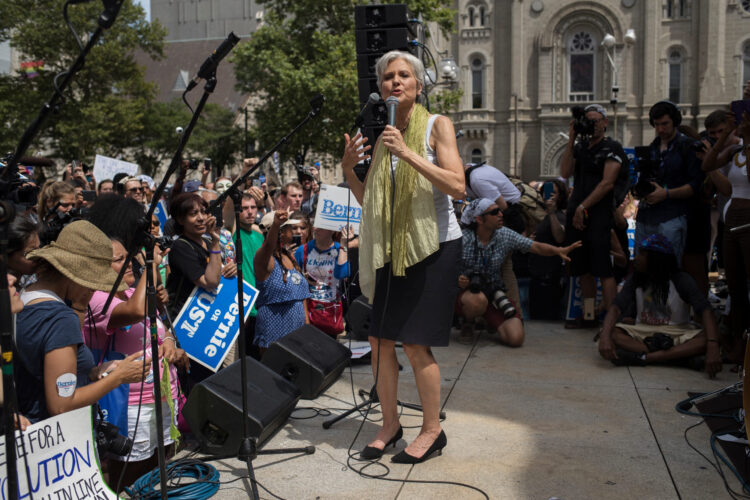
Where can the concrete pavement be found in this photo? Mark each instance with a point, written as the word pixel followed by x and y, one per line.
pixel 550 419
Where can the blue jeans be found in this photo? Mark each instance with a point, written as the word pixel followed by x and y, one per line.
pixel 674 229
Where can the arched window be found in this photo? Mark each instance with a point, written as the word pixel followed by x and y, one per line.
pixel 481 15
pixel 471 16
pixel 477 83
pixel 746 63
pixel 581 50
pixel 476 155
pixel 675 75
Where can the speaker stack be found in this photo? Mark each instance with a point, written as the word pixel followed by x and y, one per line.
pixel 378 29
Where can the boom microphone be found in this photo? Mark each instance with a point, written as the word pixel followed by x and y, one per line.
pixel 391 103
pixel 359 121
pixel 208 68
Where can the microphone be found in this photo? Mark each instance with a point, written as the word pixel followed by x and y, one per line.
pixel 208 68
pixel 359 121
pixel 391 103
pixel 316 103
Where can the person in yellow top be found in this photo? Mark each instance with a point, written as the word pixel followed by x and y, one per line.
pixel 410 248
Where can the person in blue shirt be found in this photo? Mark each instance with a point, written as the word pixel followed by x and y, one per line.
pixel 325 263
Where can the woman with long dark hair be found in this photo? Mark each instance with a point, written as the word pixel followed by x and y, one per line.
pixel 410 246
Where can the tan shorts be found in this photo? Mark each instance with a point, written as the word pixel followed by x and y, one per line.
pixel 679 333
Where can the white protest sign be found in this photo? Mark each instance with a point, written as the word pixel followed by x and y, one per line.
pixel 335 206
pixel 106 168
pixel 62 460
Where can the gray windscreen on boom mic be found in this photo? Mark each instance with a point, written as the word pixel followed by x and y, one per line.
pixel 391 103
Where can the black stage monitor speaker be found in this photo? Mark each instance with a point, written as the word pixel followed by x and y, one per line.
pixel 214 408
pixel 359 318
pixel 309 359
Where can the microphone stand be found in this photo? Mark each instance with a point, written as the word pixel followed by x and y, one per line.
pixel 106 19
pixel 145 239
pixel 7 214
pixel 248 450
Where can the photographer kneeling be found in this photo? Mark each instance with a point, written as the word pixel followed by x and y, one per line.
pixel 486 243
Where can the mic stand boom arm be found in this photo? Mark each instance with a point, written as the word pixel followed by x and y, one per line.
pixel 106 19
pixel 316 103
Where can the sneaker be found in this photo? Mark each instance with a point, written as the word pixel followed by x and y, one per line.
pixel 629 358
pixel 467 334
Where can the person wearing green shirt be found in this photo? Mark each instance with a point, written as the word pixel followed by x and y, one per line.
pixel 252 239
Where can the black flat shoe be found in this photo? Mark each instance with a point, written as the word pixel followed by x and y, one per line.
pixel 437 446
pixel 372 453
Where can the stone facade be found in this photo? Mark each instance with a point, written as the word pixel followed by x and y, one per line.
pixel 524 63
pixel 188 20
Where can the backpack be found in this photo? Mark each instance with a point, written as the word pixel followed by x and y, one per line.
pixel 531 204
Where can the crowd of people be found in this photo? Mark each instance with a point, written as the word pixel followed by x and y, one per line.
pixel 441 244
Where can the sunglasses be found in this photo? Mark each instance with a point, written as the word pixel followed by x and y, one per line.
pixel 135 190
pixel 494 211
pixel 155 223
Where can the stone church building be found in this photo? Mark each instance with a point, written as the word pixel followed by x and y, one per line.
pixel 524 63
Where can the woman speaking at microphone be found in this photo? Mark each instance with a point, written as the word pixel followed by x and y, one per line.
pixel 410 249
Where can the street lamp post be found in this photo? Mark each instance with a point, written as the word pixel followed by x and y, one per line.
pixel 609 42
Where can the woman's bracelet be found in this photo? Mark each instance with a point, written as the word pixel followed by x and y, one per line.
pixel 170 338
pixel 215 251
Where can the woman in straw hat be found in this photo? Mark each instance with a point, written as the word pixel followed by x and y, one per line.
pixel 410 247
pixel 56 371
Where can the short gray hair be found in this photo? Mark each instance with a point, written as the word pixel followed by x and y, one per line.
pixel 416 65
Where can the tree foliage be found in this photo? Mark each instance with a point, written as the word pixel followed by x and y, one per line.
pixel 105 107
pixel 306 47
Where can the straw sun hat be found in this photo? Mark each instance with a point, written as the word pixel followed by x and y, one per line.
pixel 83 254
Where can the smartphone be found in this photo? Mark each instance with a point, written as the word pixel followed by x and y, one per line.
pixel 297 240
pixel 548 190
pixel 88 195
pixel 74 163
pixel 739 107
pixel 256 182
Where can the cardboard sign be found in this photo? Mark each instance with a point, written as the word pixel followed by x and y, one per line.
pixel 62 459
pixel 575 298
pixel 106 168
pixel 207 325
pixel 335 205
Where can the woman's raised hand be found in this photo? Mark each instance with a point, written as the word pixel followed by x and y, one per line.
pixel 355 151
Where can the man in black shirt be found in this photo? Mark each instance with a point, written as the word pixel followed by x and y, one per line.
pixel 595 161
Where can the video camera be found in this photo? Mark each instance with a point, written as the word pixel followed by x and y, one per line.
pixel 55 222
pixel 17 189
pixel 582 125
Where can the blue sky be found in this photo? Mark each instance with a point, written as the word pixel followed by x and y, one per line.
pixel 146 4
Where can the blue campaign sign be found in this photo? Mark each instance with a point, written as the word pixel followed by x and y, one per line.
pixel 575 298
pixel 631 238
pixel 207 325
pixel 630 152
pixel 161 213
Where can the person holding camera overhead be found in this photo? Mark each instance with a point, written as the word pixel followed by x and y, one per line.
pixel 595 161
pixel 672 177
pixel 486 243
pixel 57 199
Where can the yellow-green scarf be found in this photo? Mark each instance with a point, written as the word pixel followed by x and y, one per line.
pixel 415 231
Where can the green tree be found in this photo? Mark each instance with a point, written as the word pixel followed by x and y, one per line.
pixel 216 136
pixel 103 110
pixel 307 47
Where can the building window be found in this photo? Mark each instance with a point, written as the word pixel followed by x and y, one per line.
pixel 477 83
pixel 746 5
pixel 476 155
pixel 675 75
pixel 581 64
pixel 677 9
pixel 481 15
pixel 471 16
pixel 746 62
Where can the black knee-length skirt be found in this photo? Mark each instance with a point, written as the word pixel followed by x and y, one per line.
pixel 418 308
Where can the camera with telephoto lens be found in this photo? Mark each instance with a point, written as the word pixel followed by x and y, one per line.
pixel 582 125
pixel 109 439
pixel 193 164
pixel 476 282
pixel 165 242
pixel 503 304
pixel 645 169
pixel 698 146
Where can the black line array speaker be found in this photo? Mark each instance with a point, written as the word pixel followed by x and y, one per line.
pixel 309 359
pixel 214 407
